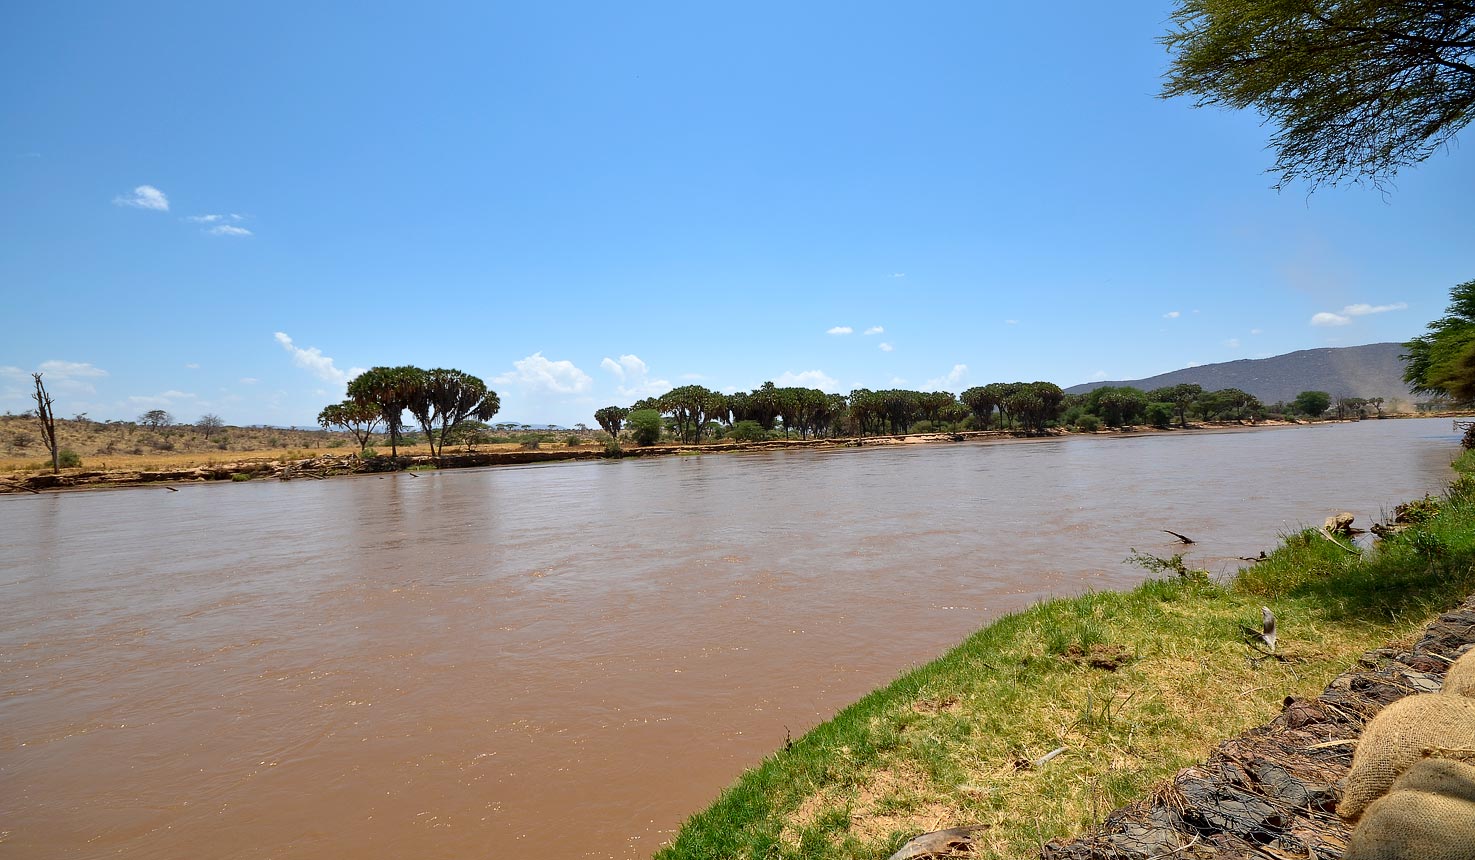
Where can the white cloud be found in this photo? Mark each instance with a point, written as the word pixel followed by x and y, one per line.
pixel 214 219
pixel 1232 343
pixel 536 373
pixel 249 380
pixel 1011 322
pixel 312 359
pixel 952 378
pixel 1326 318
pixel 808 379
pixel 162 399
pixel 1100 374
pixel 144 197
pixel 886 347
pixel 875 329
pixel 70 369
pixel 193 365
pixel 1362 310
pixel 229 230
pixel 1172 315
pixel 1257 331
pixel 898 274
pixel 69 376
pixel 840 329
pixel 634 376
pixel 692 377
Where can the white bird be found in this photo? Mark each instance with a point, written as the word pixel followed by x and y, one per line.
pixel 1267 618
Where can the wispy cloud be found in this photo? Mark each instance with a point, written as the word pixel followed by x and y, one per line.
pixel 229 230
pixel 249 380
pixel 898 274
pixel 73 377
pixel 1232 343
pixel 1257 331
pixel 634 377
pixel 144 197
pixel 1098 375
pixel 161 400
pixel 193 365
pixel 875 329
pixel 1327 318
pixel 313 360
pixel 807 379
pixel 885 347
pixel 1172 315
pixel 950 379
pixel 538 374
pixel 840 329
pixel 1011 322
pixel 214 219
pixel 1362 310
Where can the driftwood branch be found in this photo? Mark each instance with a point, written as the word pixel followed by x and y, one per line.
pixel 1184 538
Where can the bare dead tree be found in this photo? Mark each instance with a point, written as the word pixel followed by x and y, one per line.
pixel 48 421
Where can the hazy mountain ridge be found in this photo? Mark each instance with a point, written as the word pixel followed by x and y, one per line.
pixel 1371 370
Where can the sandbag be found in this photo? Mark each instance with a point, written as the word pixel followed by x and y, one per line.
pixel 1397 737
pixel 1461 677
pixel 1429 814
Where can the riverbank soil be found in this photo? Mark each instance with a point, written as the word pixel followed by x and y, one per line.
pixel 1274 789
pixel 1021 735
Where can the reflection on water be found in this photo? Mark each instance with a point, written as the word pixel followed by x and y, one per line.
pixel 565 659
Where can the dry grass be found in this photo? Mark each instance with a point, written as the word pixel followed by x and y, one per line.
pixel 127 446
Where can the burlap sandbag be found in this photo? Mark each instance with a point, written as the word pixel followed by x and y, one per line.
pixel 1428 815
pixel 1461 678
pixel 1397 737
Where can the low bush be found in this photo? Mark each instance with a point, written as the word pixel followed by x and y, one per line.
pixel 1088 423
pixel 68 459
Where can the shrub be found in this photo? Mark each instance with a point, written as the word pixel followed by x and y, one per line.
pixel 68 459
pixel 1088 423
pixel 645 426
pixel 574 441
pixel 612 449
pixel 337 443
pixel 238 477
pixel 369 452
pixel 161 444
pixel 531 444
pixel 1160 415
pixel 747 431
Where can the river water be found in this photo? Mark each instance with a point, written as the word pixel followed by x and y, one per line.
pixel 561 660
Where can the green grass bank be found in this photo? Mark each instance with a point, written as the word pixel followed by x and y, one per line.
pixel 1133 685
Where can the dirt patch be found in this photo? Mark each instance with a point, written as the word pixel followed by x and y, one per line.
pixel 1098 656
pixel 936 706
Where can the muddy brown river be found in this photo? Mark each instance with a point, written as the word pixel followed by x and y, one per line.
pixel 560 660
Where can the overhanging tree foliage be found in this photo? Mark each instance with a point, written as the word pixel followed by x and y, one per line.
pixel 1442 362
pixel 1355 89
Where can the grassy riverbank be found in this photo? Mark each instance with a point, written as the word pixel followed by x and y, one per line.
pixel 950 743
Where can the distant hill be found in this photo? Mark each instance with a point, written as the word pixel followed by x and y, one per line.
pixel 1373 370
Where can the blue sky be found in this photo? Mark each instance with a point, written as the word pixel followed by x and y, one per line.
pixel 228 208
